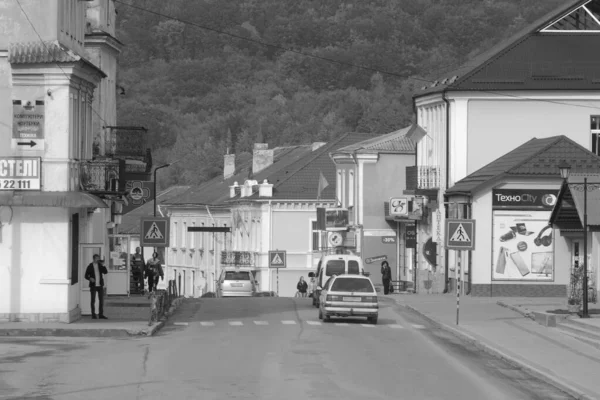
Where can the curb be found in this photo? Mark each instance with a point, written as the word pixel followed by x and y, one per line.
pixel 152 330
pixel 543 376
pixel 526 314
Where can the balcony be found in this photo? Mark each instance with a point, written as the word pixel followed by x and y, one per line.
pixel 423 177
pixel 103 176
pixel 238 258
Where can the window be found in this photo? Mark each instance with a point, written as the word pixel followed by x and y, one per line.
pixel 338 187
pixel 352 285
pixel 193 236
pixel 174 235
pixel 335 267
pixel 184 235
pixel 350 188
pixel 319 238
pixel 595 130
pixel 353 268
pixel 237 276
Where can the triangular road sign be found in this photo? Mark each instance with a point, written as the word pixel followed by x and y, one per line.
pixel 154 232
pixel 276 260
pixel 460 235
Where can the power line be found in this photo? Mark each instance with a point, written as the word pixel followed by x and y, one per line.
pixel 48 51
pixel 262 43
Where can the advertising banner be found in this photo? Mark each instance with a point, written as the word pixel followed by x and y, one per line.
pixel 522 246
pixel 138 194
pixel 543 199
pixel 20 173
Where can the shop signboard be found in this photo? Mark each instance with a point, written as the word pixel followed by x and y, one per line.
pixel 28 125
pixel 138 194
pixel 20 173
pixel 332 219
pixel 522 242
pixel 411 236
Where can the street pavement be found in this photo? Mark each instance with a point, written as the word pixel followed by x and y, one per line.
pixel 265 348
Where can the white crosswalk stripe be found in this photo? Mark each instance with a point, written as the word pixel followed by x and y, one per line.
pixel 396 326
pixel 207 323
pixel 261 323
pixel 341 324
pixel 313 322
pixel 368 325
pixel 416 326
pixel 180 323
pixel 236 323
pixel 288 322
pixel 309 322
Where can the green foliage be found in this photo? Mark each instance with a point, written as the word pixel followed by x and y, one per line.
pixel 200 92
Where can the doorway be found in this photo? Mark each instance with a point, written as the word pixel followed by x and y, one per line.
pixel 86 255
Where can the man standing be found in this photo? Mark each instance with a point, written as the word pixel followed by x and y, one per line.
pixel 94 274
pixel 137 267
pixel 386 276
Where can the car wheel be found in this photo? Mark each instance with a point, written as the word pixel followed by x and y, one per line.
pixel 320 314
pixel 326 318
pixel 372 320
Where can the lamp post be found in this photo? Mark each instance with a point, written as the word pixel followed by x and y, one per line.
pixel 565 171
pixel 156 169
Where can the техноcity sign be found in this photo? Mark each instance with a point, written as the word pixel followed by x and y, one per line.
pixel 528 198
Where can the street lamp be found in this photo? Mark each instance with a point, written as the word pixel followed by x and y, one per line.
pixel 565 171
pixel 156 169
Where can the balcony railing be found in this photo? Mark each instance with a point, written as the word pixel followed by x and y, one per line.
pixel 424 177
pixel 102 175
pixel 239 258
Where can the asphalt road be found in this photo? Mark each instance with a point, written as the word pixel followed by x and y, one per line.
pixel 265 348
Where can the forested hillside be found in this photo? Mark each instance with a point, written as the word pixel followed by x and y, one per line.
pixel 200 92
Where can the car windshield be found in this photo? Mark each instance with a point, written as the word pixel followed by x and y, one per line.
pixel 335 267
pixel 237 276
pixel 352 285
pixel 353 268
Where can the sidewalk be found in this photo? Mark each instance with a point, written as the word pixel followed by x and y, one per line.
pixel 127 317
pixel 546 353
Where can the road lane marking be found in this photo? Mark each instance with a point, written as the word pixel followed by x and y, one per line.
pixel 396 326
pixel 367 325
pixel 235 323
pixel 341 324
pixel 288 322
pixel 180 323
pixel 207 323
pixel 261 322
pixel 416 326
pixel 313 322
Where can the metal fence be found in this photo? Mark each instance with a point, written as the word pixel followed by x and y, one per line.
pixel 161 301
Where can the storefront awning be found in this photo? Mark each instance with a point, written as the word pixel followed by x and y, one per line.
pixel 51 199
pixel 568 213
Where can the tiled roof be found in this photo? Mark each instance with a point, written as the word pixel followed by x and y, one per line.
pixel 529 60
pixel 395 142
pixel 216 190
pixel 130 223
pixel 534 157
pixel 46 52
pixel 300 180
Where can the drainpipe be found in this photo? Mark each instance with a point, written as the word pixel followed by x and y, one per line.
pixel 446 183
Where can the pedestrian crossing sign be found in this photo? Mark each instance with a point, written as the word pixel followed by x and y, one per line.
pixel 460 234
pixel 277 259
pixel 154 232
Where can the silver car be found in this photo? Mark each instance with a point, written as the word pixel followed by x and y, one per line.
pixel 349 296
pixel 236 283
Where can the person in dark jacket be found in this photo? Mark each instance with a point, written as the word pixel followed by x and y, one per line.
pixel 302 287
pixel 94 273
pixel 386 276
pixel 154 271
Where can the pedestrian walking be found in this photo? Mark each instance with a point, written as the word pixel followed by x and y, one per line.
pixel 386 276
pixel 137 270
pixel 312 286
pixel 302 287
pixel 154 271
pixel 94 273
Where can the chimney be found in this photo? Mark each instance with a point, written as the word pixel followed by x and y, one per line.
pixel 234 190
pixel 229 165
pixel 265 189
pixel 262 157
pixel 317 145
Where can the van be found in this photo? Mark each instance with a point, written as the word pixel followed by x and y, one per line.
pixel 335 264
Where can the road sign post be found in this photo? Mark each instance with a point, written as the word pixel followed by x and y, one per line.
pixel 154 232
pixel 460 236
pixel 277 259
